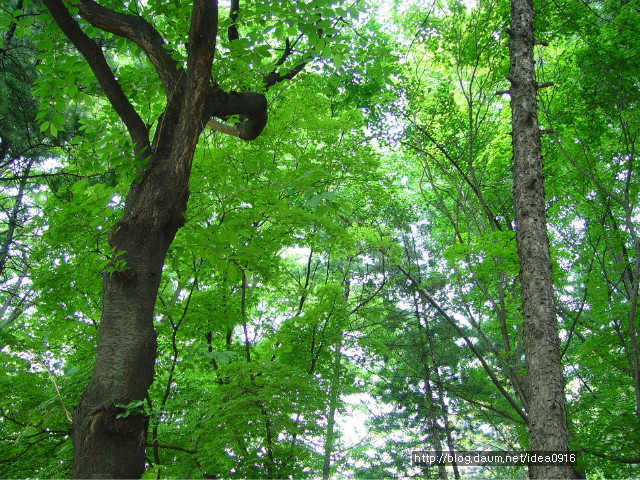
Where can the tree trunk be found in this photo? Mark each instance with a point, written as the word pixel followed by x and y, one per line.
pixel 106 446
pixel 547 418
pixel 431 416
pixel 330 434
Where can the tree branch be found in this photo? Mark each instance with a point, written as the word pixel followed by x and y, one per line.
pixel 467 340
pixel 202 43
pixel 171 447
pixel 630 461
pixel 140 32
pixel 274 77
pixel 232 31
pixel 11 30
pixel 95 58
pixel 252 108
pixel 270 79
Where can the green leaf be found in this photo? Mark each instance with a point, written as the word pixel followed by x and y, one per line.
pixel 331 196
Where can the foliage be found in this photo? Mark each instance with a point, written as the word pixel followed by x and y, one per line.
pixel 345 287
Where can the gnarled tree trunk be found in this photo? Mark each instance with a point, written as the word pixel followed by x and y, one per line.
pixel 106 446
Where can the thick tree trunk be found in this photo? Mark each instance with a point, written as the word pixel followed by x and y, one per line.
pixel 106 446
pixel 547 418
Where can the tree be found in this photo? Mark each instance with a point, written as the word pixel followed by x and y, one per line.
pixel 157 198
pixel 590 161
pixel 33 413
pixel 546 413
pixel 457 134
pixel 23 146
pixel 357 260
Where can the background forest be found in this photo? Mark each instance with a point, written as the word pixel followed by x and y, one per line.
pixel 345 287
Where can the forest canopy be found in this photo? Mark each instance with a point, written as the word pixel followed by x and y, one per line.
pixel 290 239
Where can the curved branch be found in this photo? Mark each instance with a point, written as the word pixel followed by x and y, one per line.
pixel 98 64
pixel 140 32
pixel 251 107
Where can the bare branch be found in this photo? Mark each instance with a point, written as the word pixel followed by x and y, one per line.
pixel 494 379
pixel 217 126
pixel 171 447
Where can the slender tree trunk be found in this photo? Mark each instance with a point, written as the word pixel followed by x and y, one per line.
pixel 547 418
pixel 334 402
pixel 433 428
pixel 334 390
pixel 440 395
pixel 13 219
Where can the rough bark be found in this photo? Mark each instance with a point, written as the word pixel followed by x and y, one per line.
pixel 106 446
pixel 547 418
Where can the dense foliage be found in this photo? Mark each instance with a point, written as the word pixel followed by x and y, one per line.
pixel 345 288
